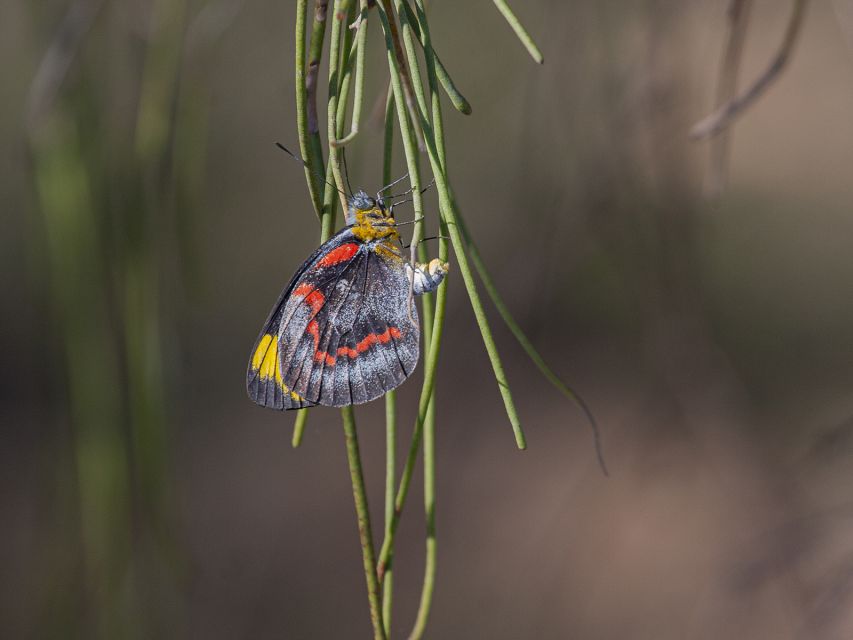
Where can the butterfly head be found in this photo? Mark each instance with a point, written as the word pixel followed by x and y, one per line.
pixel 370 218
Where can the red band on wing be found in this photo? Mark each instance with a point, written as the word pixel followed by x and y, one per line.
pixel 338 255
pixel 363 345
pixel 314 298
pixel 368 341
pixel 314 329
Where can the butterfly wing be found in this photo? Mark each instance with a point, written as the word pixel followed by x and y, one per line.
pixel 340 334
pixel 350 339
pixel 264 381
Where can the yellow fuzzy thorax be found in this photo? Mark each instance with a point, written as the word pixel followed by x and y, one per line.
pixel 374 224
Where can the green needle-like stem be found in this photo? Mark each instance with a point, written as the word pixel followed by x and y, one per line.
pixel 447 207
pixel 390 483
pixel 459 101
pixel 328 213
pixel 358 97
pixel 520 31
pixel 299 427
pixel 306 91
pixel 528 347
pixel 339 15
pixel 364 531
pixel 428 587
pixel 430 367
pixel 390 399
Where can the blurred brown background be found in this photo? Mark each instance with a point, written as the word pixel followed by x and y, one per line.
pixel 149 225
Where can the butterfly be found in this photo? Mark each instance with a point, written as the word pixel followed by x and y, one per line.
pixel 345 330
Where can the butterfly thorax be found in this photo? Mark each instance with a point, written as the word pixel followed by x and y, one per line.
pixel 371 220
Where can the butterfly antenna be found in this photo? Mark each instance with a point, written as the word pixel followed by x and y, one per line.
pixel 346 170
pixel 430 238
pixel 405 193
pixel 307 166
pixel 391 184
pixel 400 224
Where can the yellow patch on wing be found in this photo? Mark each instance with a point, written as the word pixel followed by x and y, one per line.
pixel 268 365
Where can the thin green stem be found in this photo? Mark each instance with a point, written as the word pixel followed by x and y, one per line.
pixel 407 132
pixel 410 36
pixel 358 97
pixel 411 154
pixel 430 367
pixel 327 220
pixel 299 427
pixel 430 560
pixel 528 347
pixel 448 210
pixel 390 398
pixel 435 149
pixel 428 587
pixel 309 140
pixel 459 101
pixel 328 206
pixel 432 65
pixel 389 25
pixel 411 160
pixel 339 15
pixel 447 207
pixel 388 140
pixel 520 31
pixel 338 88
pixel 363 513
pixel 390 483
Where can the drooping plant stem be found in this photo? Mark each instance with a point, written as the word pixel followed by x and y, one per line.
pixel 528 347
pixel 437 157
pixel 339 79
pixel 456 98
pixel 431 556
pixel 335 83
pixel 447 208
pixel 328 207
pixel 390 398
pixel 390 482
pixel 519 30
pixel 306 110
pixel 358 99
pixel 364 530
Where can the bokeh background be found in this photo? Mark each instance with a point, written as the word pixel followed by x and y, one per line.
pixel 149 224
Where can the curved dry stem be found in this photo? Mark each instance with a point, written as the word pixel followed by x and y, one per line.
pixel 726 114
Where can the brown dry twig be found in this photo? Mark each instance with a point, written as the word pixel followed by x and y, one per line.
pixel 727 113
pixel 726 90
